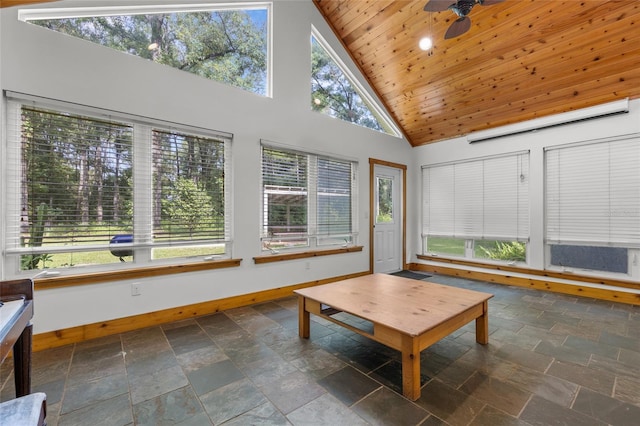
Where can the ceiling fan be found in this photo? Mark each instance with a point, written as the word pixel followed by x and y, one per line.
pixel 462 8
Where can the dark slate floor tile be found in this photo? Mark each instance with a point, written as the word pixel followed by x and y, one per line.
pixel 93 391
pixel 231 401
pixel 111 412
pixel 325 410
pixel 490 416
pixel 497 393
pixel 600 381
pixel 605 408
pixel 214 376
pixel 349 385
pixel 263 415
pixel 390 375
pixel 449 404
pixel 384 407
pixel 292 391
pixel 175 407
pixel 540 411
pixel 187 338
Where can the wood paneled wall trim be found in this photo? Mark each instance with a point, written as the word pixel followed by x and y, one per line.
pixel 130 274
pixel 610 294
pixel 304 254
pixel 52 339
pixel 536 272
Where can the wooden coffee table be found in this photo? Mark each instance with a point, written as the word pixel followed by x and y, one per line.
pixel 407 315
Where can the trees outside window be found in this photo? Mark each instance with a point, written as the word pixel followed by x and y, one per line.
pixel 335 92
pixel 228 45
pixel 87 182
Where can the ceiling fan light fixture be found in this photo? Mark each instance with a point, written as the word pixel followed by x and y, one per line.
pixel 425 43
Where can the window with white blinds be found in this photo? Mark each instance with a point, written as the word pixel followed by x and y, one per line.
pixel 307 199
pixel 86 187
pixel 480 199
pixel 593 193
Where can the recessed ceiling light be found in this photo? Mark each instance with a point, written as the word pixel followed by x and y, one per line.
pixel 425 43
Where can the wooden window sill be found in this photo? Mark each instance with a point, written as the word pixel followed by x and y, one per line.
pixel 304 254
pixel 133 273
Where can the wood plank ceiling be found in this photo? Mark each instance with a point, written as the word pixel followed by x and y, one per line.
pixel 521 59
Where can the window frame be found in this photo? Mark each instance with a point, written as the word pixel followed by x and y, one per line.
pixel 53 12
pixel 388 125
pixel 462 227
pixel 313 237
pixel 554 236
pixel 142 196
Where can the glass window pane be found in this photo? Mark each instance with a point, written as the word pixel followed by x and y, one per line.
pixel 446 246
pixel 188 190
pixel 76 186
pixel 510 251
pixel 385 200
pixel 226 45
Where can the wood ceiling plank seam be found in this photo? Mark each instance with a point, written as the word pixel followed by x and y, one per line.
pixel 362 19
pixel 537 58
pixel 542 105
pixel 593 68
pixel 514 45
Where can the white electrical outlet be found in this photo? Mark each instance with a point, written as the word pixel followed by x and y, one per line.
pixel 135 289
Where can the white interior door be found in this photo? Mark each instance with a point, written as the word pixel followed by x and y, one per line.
pixel 387 223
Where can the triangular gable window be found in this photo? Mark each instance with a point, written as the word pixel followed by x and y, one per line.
pixel 226 43
pixel 336 92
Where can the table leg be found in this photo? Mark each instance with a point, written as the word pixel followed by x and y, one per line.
pixel 410 368
pixel 22 362
pixel 303 318
pixel 482 325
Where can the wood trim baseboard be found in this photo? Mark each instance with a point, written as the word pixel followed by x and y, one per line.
pixel 537 272
pixel 532 282
pixel 56 338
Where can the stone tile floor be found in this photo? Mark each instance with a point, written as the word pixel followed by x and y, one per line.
pixel 552 360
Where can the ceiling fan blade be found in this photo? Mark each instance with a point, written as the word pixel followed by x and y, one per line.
pixel 490 2
pixel 437 5
pixel 459 27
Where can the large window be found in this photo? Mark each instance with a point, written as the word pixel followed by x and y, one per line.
pixel 337 93
pixel 593 205
pixel 88 189
pixel 226 43
pixel 308 200
pixel 477 208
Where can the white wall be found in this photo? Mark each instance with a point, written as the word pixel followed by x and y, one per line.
pixel 459 149
pixel 40 62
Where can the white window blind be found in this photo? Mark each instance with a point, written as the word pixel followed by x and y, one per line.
pixel 484 198
pixel 82 181
pixel 307 196
pixel 593 193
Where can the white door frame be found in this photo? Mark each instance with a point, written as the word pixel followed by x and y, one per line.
pixel 372 216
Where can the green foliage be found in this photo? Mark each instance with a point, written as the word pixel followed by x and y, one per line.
pixel 332 93
pixel 510 251
pixel 189 206
pixel 229 46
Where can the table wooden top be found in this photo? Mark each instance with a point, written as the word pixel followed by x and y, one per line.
pixel 406 305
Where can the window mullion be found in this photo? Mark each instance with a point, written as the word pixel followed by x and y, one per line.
pixel 142 195
pixel 312 199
